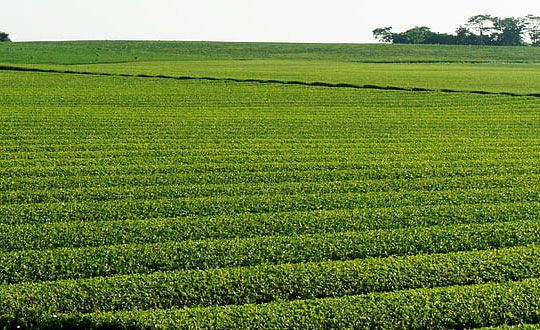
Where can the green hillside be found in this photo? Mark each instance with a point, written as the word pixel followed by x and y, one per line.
pixel 512 78
pixel 81 52
pixel 243 196
pixel 461 68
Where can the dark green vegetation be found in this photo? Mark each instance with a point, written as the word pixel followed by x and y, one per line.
pixel 4 37
pixel 479 30
pixel 140 201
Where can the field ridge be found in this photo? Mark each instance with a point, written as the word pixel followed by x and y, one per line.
pixel 270 81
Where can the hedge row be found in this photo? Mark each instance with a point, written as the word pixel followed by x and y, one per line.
pixel 512 327
pixel 28 153
pixel 167 176
pixel 174 207
pixel 455 307
pixel 72 263
pixel 187 189
pixel 372 169
pixel 260 145
pixel 261 284
pixel 355 160
pixel 40 236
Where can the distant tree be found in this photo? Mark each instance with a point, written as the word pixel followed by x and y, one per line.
pixel 4 37
pixel 480 24
pixel 533 29
pixel 418 34
pixel 441 39
pixel 383 34
pixel 464 36
pixel 508 31
pixel 479 30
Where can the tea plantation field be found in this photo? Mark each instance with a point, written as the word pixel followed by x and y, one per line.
pixel 182 191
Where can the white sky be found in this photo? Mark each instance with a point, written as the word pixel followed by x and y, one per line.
pixel 240 20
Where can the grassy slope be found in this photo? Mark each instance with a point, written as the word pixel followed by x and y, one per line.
pixel 340 63
pixel 515 78
pixel 80 52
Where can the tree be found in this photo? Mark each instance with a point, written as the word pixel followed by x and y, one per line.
pixel 383 34
pixel 508 31
pixel 462 33
pixel 532 27
pixel 480 24
pixel 4 37
pixel 464 36
pixel 479 30
pixel 418 34
pixel 441 39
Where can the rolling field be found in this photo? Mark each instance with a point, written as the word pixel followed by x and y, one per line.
pixel 492 78
pixel 129 200
pixel 96 52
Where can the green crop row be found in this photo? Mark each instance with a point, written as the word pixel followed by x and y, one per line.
pixel 39 236
pixel 225 126
pixel 455 307
pixel 259 150
pixel 512 327
pixel 68 263
pixel 262 284
pixel 169 176
pixel 390 169
pixel 300 155
pixel 175 207
pixel 221 96
pixel 29 147
pixel 185 189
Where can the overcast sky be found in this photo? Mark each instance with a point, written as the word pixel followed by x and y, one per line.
pixel 240 20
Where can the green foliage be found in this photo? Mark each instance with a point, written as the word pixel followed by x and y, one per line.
pixel 489 30
pixel 533 29
pixel 266 283
pixel 417 35
pixel 4 37
pixel 383 34
pixel 509 31
pixel 438 308
pixel 513 327
pixel 67 263
pixel 269 193
pixel 141 231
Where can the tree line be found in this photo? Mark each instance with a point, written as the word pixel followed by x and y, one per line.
pixel 479 30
